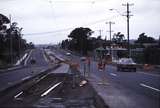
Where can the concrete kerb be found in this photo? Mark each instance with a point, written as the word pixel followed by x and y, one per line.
pixel 98 100
pixel 44 72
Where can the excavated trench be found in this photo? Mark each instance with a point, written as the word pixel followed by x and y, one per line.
pixel 57 91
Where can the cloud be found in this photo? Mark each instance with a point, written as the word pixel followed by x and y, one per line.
pixel 41 16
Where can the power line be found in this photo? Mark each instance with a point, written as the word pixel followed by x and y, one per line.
pixel 77 1
pixel 49 32
pixel 67 29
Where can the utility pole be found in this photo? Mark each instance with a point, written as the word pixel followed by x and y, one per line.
pixel 100 32
pixel 110 32
pixel 128 16
pixel 100 35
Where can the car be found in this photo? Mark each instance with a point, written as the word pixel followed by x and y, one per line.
pixel 126 64
pixel 83 59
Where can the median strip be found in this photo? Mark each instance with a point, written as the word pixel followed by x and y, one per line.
pixel 150 87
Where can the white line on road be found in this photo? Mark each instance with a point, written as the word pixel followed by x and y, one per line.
pixel 49 90
pixel 113 74
pixel 44 56
pixel 25 78
pixel 155 75
pixel 25 62
pixel 150 87
pixel 18 94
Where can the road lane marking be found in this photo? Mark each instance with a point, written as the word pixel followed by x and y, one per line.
pixel 150 87
pixel 49 90
pixel 149 74
pixel 25 62
pixel 44 56
pixel 25 78
pixel 18 94
pixel 113 74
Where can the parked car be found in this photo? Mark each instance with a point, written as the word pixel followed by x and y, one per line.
pixel 126 64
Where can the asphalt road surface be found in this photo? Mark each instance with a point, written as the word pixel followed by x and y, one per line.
pixel 12 77
pixel 141 87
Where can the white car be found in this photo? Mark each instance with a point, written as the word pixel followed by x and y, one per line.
pixel 126 64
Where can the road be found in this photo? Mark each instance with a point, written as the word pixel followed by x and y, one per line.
pixel 125 90
pixel 52 89
pixel 142 88
pixel 11 77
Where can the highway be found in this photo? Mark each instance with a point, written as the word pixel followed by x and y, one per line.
pixel 123 90
pixel 51 89
pixel 140 88
pixel 12 77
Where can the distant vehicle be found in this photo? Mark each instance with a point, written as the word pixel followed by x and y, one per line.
pixel 68 54
pixel 83 58
pixel 126 64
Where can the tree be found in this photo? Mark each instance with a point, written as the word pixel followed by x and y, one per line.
pixel 11 42
pixel 3 28
pixel 118 38
pixel 159 42
pixel 79 38
pixel 145 39
pixel 152 55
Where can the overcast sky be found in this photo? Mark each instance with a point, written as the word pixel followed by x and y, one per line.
pixel 50 21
